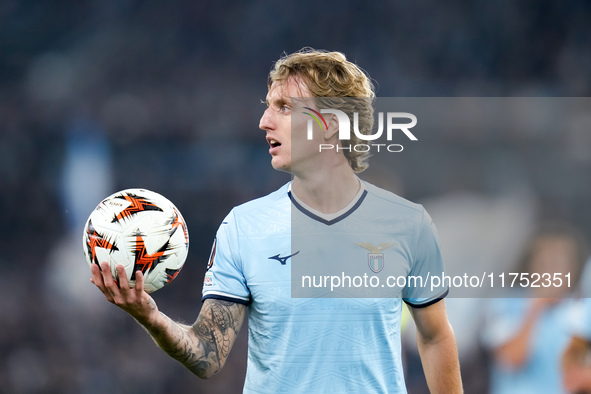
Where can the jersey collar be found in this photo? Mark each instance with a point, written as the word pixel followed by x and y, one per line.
pixel 330 218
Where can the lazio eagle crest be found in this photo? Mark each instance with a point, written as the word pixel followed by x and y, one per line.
pixel 375 257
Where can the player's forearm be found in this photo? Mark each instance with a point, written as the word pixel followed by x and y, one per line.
pixel 515 352
pixel 575 369
pixel 181 342
pixel 441 365
pixel 203 347
pixel 576 352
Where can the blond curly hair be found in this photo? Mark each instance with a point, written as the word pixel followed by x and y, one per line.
pixel 333 81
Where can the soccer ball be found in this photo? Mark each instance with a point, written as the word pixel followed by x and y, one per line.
pixel 140 230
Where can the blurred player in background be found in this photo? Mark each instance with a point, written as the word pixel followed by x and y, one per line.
pixel 306 345
pixel 528 335
pixel 576 361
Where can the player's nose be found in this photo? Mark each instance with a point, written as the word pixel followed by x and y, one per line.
pixel 267 122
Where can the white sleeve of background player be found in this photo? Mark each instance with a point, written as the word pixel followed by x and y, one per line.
pixel 224 279
pixel 427 261
pixel 581 319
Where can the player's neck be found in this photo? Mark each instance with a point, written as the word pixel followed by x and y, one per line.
pixel 327 192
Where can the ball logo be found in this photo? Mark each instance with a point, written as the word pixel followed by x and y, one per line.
pixel 345 129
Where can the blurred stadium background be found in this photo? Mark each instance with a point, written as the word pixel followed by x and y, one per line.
pixel 98 96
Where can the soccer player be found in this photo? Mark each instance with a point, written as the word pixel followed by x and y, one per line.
pixel 528 336
pixel 319 345
pixel 576 360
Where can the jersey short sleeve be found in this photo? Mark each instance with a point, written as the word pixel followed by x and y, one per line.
pixel 422 288
pixel 224 279
pixel 582 319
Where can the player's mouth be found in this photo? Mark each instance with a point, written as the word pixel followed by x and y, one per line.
pixel 274 145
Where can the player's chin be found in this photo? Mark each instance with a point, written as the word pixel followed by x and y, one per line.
pixel 280 165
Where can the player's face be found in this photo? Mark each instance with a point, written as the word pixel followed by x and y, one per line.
pixel 553 254
pixel 278 122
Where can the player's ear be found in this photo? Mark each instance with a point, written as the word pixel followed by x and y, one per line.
pixel 333 127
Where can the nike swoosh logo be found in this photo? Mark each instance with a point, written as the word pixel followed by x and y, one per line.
pixel 282 260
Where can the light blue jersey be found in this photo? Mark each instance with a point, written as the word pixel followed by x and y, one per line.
pixel 582 319
pixel 541 372
pixel 319 345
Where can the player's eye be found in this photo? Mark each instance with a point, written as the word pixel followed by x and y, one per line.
pixel 284 108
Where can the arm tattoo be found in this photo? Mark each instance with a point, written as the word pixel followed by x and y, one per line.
pixel 205 346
